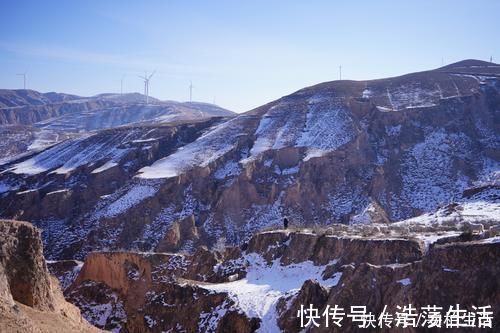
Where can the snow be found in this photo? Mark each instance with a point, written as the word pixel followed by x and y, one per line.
pixel 43 139
pixel 405 282
pixel 27 191
pixel 131 198
pixel 364 216
pixel 126 114
pixel 260 217
pixel 229 169
pixel 412 95
pixel 468 210
pixel 145 140
pixel 71 154
pixel 384 109
pixel 450 270
pixel 150 321
pixel 328 126
pixel 431 238
pixel 64 190
pixel 473 211
pixel 209 320
pixel 321 127
pixel 104 167
pixel 490 240
pixel 161 224
pixel 490 173
pixel 287 171
pixel 258 293
pixel 262 143
pixel 66 279
pixel 200 153
pixel 110 313
pixel 345 199
pixel 427 171
pixel 393 130
pixel 367 93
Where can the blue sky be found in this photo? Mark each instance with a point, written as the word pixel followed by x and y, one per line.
pixel 240 53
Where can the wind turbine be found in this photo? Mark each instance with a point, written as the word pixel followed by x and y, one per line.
pixel 146 79
pixel 190 91
pixel 121 83
pixel 24 79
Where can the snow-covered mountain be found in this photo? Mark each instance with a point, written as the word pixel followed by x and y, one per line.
pixel 341 151
pixel 30 120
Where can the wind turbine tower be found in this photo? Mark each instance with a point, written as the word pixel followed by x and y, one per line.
pixel 190 91
pixel 146 79
pixel 24 79
pixel 121 83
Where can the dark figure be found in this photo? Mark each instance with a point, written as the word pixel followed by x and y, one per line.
pixel 285 223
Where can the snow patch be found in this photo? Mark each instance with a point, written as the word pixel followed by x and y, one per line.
pixel 206 149
pixel 405 282
pixel 328 126
pixel 258 293
pixel 229 169
pixel 131 198
pixel 104 167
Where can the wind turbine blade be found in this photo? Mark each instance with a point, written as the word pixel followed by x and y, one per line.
pixel 151 75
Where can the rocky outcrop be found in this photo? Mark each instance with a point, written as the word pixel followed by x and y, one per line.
pixel 461 273
pixel 153 292
pixel 311 292
pixel 293 247
pixel 22 260
pixel 265 281
pixel 30 299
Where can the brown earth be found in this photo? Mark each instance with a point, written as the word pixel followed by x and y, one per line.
pixel 30 299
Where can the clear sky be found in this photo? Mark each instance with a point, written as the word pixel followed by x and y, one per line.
pixel 240 53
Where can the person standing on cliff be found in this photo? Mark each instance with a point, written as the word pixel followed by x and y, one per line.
pixel 285 223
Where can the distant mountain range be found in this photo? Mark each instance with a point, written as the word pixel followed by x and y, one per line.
pixel 38 120
pixel 25 107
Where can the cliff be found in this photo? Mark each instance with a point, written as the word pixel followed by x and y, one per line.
pixel 261 285
pixel 30 299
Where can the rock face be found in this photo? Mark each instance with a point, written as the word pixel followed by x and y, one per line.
pixel 66 271
pixel 321 249
pixel 263 286
pixel 22 259
pixel 465 274
pixel 143 292
pixel 30 300
pixel 338 152
pixel 80 174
